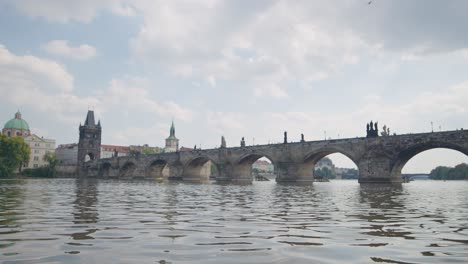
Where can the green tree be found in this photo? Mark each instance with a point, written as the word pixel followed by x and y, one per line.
pixel 255 171
pixel 318 173
pixel 324 172
pixel 351 174
pixel 44 171
pixel 213 169
pixel 14 152
pixel 51 158
pixel 439 173
pixel 460 172
pixel 329 174
pixel 148 151
pixel 133 153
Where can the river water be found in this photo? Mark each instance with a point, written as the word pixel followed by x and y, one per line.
pixel 110 221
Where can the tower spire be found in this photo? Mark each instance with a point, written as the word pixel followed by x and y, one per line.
pixel 90 119
pixel 172 131
pixel 172 143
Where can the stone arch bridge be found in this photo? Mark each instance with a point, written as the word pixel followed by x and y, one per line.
pixel 379 159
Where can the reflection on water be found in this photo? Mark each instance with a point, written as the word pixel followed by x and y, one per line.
pixel 11 197
pixel 106 221
pixel 84 206
pixel 84 209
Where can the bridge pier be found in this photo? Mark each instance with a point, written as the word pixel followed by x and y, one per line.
pixel 377 170
pixel 175 172
pixel 198 173
pixel 241 173
pixel 293 172
pixel 224 170
pixel 89 169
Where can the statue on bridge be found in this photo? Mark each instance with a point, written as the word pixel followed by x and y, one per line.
pixel 302 138
pixel 285 137
pixel 385 132
pixel 242 142
pixel 223 142
pixel 372 129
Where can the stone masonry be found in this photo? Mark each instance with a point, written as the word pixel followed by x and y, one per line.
pixel 379 159
pixel 89 144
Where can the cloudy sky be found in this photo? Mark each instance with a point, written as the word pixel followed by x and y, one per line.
pixel 238 68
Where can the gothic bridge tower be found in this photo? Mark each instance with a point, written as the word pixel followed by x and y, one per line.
pixel 89 144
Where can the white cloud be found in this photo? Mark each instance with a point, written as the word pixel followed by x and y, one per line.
pixel 62 48
pixel 47 87
pixel 42 84
pixel 182 70
pixel 280 41
pixel 138 136
pixel 134 94
pixel 272 43
pixel 410 57
pixel 270 90
pixel 211 80
pixel 64 11
pixel 465 53
pixel 14 66
pixel 224 122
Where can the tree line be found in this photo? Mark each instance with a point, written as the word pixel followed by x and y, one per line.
pixel 324 172
pixel 14 154
pixel 459 172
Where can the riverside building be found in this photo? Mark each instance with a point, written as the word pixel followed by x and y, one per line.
pixel 18 127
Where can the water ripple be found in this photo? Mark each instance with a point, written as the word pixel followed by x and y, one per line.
pixel 110 221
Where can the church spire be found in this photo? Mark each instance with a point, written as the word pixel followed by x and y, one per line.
pixel 172 131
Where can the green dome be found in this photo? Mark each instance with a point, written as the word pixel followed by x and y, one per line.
pixel 17 123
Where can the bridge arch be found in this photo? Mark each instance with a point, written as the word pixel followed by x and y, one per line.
pixel 242 167
pixel 406 155
pixel 252 157
pixel 158 168
pixel 200 169
pixel 89 157
pixel 127 170
pixel 310 160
